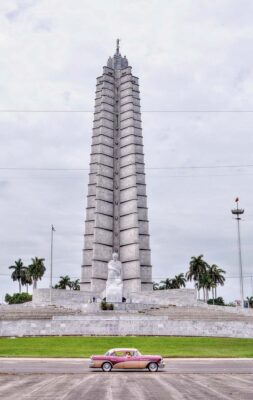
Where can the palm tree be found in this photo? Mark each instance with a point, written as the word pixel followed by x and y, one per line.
pixel 206 283
pixel 250 301
pixel 217 276
pixel 178 281
pixel 166 284
pixel 18 273
pixel 197 269
pixel 36 270
pixel 64 282
pixel 26 279
pixel 75 285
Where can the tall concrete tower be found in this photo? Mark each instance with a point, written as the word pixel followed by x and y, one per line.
pixel 117 214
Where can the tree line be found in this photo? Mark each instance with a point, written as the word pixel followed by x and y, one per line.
pixel 65 282
pixel 205 277
pixel 29 275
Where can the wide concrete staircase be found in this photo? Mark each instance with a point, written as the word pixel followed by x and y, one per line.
pixel 21 311
pixel 214 313
pixel 199 313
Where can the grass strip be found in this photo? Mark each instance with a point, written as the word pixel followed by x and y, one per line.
pixel 167 346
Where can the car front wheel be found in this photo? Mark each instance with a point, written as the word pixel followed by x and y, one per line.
pixel 106 367
pixel 153 367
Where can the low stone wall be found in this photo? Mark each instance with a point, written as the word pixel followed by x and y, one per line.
pixel 122 325
pixel 61 297
pixel 77 299
pixel 178 297
pixel 228 309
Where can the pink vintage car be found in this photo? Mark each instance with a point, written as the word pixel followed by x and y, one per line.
pixel 126 358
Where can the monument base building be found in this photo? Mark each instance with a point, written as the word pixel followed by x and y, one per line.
pixel 117 213
pixel 172 312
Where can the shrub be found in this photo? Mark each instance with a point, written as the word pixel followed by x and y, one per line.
pixel 217 302
pixel 18 298
pixel 103 305
pixel 106 306
pixel 231 304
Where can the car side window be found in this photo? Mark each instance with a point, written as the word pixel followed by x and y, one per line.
pixel 119 354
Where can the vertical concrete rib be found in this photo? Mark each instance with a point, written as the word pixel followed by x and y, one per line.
pixel 116 214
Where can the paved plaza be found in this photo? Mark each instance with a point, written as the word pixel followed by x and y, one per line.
pixel 60 379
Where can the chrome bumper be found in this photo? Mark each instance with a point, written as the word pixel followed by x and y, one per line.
pixel 161 364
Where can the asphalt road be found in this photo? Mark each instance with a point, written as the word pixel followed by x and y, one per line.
pixel 71 379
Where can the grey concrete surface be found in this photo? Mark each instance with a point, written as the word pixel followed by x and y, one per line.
pixel 81 366
pixel 67 379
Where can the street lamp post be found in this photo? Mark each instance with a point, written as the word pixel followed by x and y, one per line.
pixel 238 212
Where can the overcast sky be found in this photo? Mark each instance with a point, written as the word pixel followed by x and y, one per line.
pixel 193 55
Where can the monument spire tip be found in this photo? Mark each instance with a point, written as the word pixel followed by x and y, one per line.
pixel 117 46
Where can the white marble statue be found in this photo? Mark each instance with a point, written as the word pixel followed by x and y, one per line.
pixel 114 284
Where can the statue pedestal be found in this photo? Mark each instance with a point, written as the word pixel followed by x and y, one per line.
pixel 114 291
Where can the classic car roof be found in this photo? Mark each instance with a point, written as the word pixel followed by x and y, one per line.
pixel 123 349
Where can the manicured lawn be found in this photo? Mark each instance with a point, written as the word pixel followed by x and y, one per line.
pixel 76 346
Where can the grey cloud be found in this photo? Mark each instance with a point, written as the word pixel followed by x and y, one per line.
pixel 43 25
pixel 21 7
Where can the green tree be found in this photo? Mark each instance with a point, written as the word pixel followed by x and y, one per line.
pixel 197 269
pixel 209 280
pixel 36 270
pixel 26 279
pixel 56 286
pixel 206 283
pixel 64 282
pixel 18 273
pixel 217 276
pixel 250 301
pixel 218 301
pixel 166 284
pixel 75 285
pixel 178 281
pixel 18 298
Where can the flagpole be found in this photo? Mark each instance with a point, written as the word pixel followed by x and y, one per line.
pixel 51 258
pixel 51 263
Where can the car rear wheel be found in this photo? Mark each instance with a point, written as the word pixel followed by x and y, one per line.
pixel 153 367
pixel 106 367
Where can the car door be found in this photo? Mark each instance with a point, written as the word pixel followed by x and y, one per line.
pixel 138 362
pixel 119 360
pixel 115 360
pixel 132 361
